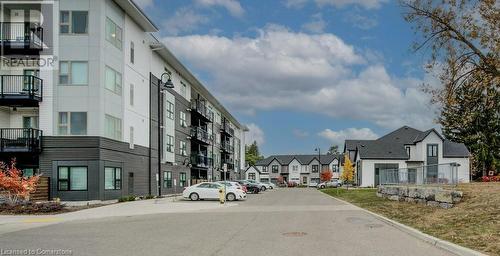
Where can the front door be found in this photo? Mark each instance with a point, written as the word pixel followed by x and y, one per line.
pixel 130 183
pixel 432 162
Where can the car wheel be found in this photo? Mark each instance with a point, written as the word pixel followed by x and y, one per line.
pixel 263 188
pixel 230 197
pixel 271 187
pixel 194 197
pixel 322 186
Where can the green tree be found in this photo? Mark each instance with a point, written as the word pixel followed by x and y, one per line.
pixel 463 39
pixel 252 154
pixel 334 150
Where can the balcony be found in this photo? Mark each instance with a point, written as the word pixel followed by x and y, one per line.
pixel 21 38
pixel 226 128
pixel 200 160
pixel 200 110
pixel 20 140
pixel 226 148
pixel 229 163
pixel 20 90
pixel 201 136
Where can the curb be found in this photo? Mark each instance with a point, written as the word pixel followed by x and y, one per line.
pixel 445 245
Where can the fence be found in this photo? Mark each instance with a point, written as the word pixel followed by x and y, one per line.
pixel 439 174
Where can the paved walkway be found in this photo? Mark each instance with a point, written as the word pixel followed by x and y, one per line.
pixel 282 222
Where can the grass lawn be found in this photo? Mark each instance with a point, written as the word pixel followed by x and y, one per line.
pixel 473 223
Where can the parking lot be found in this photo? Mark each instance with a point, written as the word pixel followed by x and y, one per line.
pixel 285 221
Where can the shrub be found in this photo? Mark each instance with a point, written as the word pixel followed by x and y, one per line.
pixel 13 185
pixel 490 178
pixel 126 198
pixel 31 207
pixel 149 197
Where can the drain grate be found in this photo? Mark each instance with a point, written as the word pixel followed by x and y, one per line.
pixel 294 234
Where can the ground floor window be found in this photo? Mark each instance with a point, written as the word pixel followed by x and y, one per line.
pixel 72 178
pixel 304 180
pixel 167 179
pixel 112 178
pixel 182 179
pixel 251 176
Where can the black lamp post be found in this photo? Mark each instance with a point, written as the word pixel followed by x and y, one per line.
pixel 162 86
pixel 319 160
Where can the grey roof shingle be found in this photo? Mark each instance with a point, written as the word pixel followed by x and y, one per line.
pixel 303 159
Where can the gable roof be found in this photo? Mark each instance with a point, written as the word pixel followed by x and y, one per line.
pixel 302 159
pixel 392 145
pixel 252 167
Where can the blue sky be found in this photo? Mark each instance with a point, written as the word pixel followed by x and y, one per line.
pixel 302 73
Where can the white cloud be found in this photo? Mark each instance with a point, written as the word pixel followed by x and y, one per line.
pixel 144 3
pixel 359 21
pixel 232 6
pixel 338 137
pixel 300 133
pixel 367 4
pixel 297 4
pixel 321 74
pixel 316 25
pixel 184 20
pixel 254 133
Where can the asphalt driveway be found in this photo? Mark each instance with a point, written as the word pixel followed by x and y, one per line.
pixel 282 222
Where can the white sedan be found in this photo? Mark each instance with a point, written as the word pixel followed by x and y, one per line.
pixel 210 190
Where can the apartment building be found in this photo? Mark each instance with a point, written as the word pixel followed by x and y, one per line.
pixel 83 102
pixel 301 169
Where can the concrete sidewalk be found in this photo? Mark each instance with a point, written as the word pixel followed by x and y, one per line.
pixel 11 223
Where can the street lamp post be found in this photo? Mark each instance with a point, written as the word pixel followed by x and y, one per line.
pixel 162 86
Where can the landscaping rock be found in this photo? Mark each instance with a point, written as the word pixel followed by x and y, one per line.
pixel 444 196
pixel 410 200
pixel 445 205
pixel 380 194
pixel 403 191
pixel 413 192
pixel 457 196
pixel 433 203
pixel 394 198
pixel 420 201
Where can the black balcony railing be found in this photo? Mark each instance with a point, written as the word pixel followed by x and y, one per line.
pixel 226 128
pixel 14 88
pixel 199 107
pixel 21 35
pixel 201 160
pixel 201 135
pixel 20 140
pixel 226 147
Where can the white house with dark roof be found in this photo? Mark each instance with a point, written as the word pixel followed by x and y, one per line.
pixel 423 155
pixel 302 169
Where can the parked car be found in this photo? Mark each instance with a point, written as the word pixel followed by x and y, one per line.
pixel 313 184
pixel 270 185
pixel 210 190
pixel 251 187
pixel 329 184
pixel 234 184
pixel 262 186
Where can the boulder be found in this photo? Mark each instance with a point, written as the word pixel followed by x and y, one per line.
pixel 444 196
pixel 403 191
pixel 410 200
pixel 445 205
pixel 456 196
pixel 394 198
pixel 413 192
pixel 433 203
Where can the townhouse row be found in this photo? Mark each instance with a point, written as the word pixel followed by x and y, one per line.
pixel 85 101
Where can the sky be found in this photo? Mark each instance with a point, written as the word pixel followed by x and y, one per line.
pixel 302 74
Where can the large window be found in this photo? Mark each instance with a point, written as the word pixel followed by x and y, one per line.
pixel 112 178
pixel 264 168
pixel 73 22
pixel 73 73
pixel 72 123
pixel 432 150
pixel 113 127
pixel 182 148
pixel 274 169
pixel 183 119
pixel 182 179
pixel 295 168
pixel 251 176
pixel 113 80
pixel 113 33
pixel 170 110
pixel 167 179
pixel 71 178
pixel 169 144
pixel 315 168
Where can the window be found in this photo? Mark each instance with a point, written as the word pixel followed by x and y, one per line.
pixel 183 119
pixel 182 148
pixel 274 169
pixel 169 144
pixel 335 168
pixel 408 151
pixel 131 137
pixel 113 127
pixel 264 168
pixel 131 96
pixel 73 73
pixel 170 110
pixel 251 176
pixel 167 179
pixel 112 178
pixel 113 81
pixel 73 22
pixel 432 150
pixel 71 178
pixel 315 168
pixel 113 33
pixel 132 52
pixel 182 179
pixel 304 180
pixel 183 89
pixel 295 168
pixel 72 123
